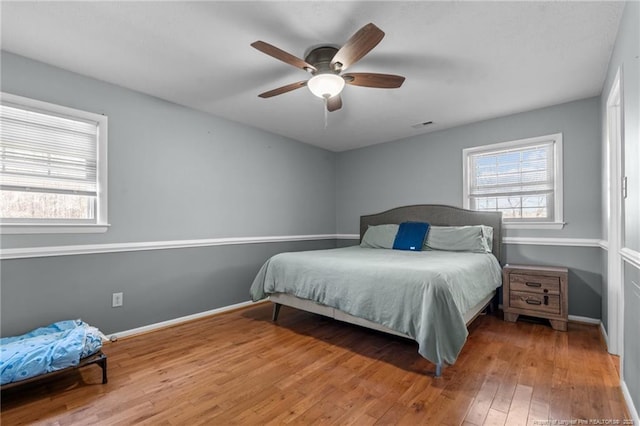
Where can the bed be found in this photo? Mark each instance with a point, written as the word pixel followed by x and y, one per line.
pixel 427 295
pixel 50 350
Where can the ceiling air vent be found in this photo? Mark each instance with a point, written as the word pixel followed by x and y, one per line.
pixel 421 125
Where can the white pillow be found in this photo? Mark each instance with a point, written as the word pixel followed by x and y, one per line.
pixel 380 236
pixel 473 238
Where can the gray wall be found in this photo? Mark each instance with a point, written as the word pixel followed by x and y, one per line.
pixel 428 169
pixel 226 180
pixel 158 285
pixel 626 55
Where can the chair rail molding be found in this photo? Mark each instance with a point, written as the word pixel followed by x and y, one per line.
pixel 630 256
pixel 71 250
pixel 553 241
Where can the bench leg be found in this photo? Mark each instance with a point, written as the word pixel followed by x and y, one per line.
pixel 103 364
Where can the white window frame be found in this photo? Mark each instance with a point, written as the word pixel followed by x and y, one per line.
pixel 100 224
pixel 557 221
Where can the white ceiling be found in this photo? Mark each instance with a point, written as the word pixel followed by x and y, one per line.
pixel 463 61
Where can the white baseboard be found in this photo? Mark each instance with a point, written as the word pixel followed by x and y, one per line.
pixel 604 334
pixel 632 408
pixel 176 321
pixel 586 320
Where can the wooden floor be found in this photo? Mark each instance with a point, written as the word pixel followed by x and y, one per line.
pixel 240 368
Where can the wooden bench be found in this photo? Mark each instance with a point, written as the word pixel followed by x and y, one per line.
pixel 98 358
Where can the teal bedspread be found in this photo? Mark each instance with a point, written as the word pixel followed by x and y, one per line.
pixel 421 294
pixel 44 350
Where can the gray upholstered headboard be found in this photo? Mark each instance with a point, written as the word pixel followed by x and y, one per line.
pixel 439 215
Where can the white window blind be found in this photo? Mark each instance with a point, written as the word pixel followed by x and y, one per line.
pixel 47 153
pixel 522 179
pixel 53 168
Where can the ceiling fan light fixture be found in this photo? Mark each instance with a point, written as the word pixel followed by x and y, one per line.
pixel 326 62
pixel 326 85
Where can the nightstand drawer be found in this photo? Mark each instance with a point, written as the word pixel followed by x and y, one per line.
pixel 534 283
pixel 546 303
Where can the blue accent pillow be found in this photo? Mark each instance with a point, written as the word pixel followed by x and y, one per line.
pixel 411 236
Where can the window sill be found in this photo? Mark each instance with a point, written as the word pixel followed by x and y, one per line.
pixel 52 228
pixel 533 225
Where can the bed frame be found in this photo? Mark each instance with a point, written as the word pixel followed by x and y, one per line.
pixel 98 358
pixel 437 215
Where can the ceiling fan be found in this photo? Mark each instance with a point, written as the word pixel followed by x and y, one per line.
pixel 326 65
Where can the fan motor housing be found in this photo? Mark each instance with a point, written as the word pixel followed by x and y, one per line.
pixel 320 57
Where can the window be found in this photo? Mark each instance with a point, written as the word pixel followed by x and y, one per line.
pixel 522 179
pixel 53 175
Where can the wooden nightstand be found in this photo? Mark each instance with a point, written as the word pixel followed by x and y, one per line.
pixel 537 291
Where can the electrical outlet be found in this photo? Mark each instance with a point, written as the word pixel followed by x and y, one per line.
pixel 116 300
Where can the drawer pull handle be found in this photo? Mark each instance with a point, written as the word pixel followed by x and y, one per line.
pixel 530 284
pixel 546 300
pixel 533 301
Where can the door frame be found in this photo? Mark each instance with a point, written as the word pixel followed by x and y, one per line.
pixel 615 217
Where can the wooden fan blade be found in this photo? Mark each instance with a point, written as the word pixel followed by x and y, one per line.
pixel 283 56
pixel 357 46
pixel 334 103
pixel 367 79
pixel 283 89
